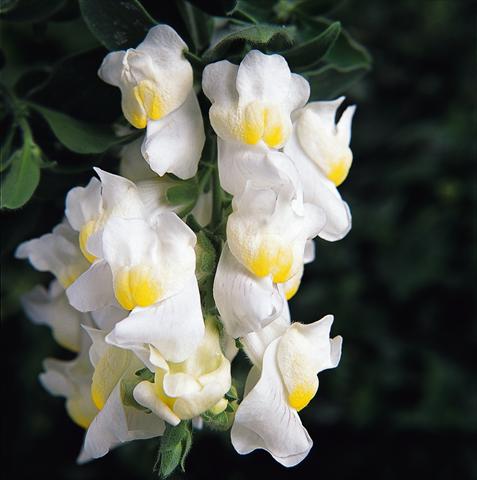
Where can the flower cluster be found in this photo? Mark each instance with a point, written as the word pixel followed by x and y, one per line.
pixel 128 295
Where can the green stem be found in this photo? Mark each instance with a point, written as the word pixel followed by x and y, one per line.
pixel 216 199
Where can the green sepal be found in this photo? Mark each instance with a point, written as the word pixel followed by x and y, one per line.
pixel 128 384
pixel 175 446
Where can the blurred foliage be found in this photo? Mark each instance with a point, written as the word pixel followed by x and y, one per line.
pixel 401 285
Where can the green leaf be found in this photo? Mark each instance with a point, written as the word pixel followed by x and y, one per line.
pixel 311 52
pixel 7 5
pixel 216 7
pixel 29 10
pixel 77 136
pixel 175 446
pixel 117 24
pixel 6 156
pixel 199 24
pixel 183 194
pixel 313 7
pixel 22 178
pixel 265 37
pixel 329 82
pixel 346 52
pixel 253 11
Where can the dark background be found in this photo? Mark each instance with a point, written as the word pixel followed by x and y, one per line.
pixel 403 400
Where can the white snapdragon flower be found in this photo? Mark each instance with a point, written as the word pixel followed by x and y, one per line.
pixel 320 151
pixel 114 422
pixel 72 380
pixel 268 229
pixel 57 252
pixel 282 382
pixel 156 83
pixel 154 78
pixel 153 275
pixel 246 303
pixel 252 102
pixel 291 286
pixel 184 390
pixel 50 307
pixel 239 164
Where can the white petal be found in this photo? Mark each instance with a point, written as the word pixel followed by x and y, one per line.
pixel 145 394
pixel 52 308
pixel 309 255
pixel 344 124
pixel 320 191
pixel 246 303
pixel 202 210
pixel 219 82
pixel 84 204
pixel 93 289
pixel 105 318
pixel 111 68
pixel 57 252
pixel 174 143
pixel 239 164
pixel 120 195
pixel 256 343
pixel 263 77
pixel 132 165
pixel 264 419
pixel 174 326
pixel 116 424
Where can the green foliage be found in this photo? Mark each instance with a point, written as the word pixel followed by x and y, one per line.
pixel 264 37
pixel 176 443
pixel 117 24
pixel 22 177
pixel 312 51
pixel 77 136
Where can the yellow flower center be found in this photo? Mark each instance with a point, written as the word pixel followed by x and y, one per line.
pixel 262 123
pixel 274 259
pixel 136 286
pixel 301 395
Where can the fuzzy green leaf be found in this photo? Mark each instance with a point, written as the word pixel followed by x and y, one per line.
pixel 77 136
pixel 22 178
pixel 311 52
pixel 117 24
pixel 329 82
pixel 265 37
pixel 199 24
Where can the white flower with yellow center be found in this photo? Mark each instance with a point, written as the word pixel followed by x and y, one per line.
pixel 252 102
pixel 246 303
pixel 50 307
pixel 291 286
pixel 156 82
pixel 72 380
pixel 268 230
pixel 282 382
pixel 153 275
pixel 57 252
pixel 319 148
pixel 114 422
pixel 154 78
pixel 184 390
pixel 239 164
